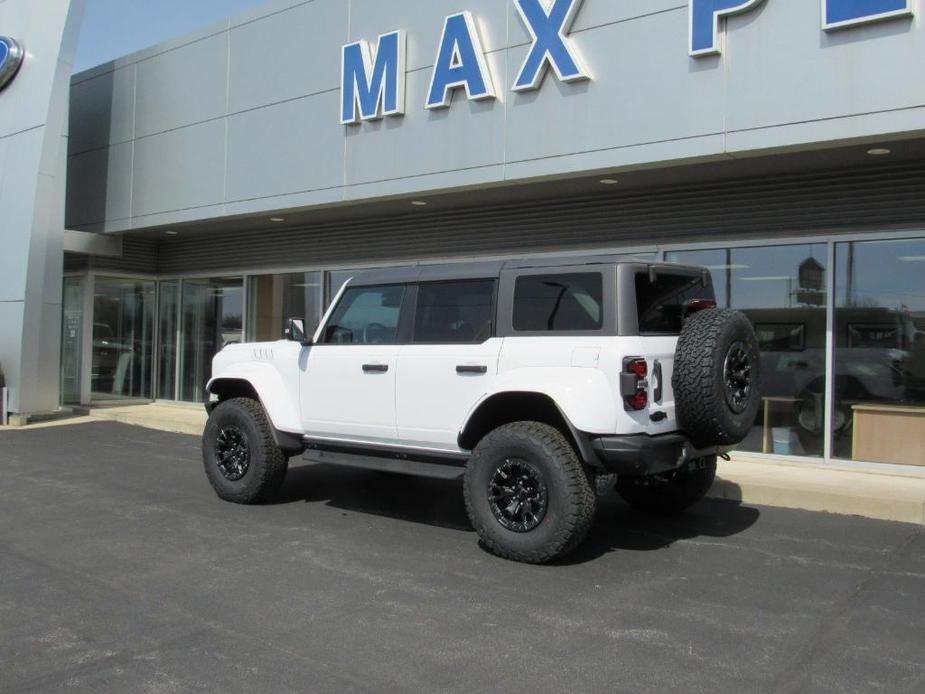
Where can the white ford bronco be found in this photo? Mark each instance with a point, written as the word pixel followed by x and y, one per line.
pixel 541 383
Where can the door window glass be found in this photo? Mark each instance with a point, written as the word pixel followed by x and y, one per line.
pixel 123 338
pixel 568 302
pixel 454 312
pixel 366 316
pixel 879 412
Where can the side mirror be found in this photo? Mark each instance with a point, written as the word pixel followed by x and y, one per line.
pixel 295 331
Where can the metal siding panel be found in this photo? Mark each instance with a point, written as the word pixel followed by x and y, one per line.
pixel 748 209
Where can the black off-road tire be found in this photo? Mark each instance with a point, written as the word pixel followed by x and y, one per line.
pixel 667 495
pixel 710 409
pixel 570 497
pixel 265 465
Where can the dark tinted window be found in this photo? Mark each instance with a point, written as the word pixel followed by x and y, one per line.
pixel 454 312
pixel 366 316
pixel 662 304
pixel 559 302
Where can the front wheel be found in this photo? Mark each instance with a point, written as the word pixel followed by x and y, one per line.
pixel 240 455
pixel 671 493
pixel 527 494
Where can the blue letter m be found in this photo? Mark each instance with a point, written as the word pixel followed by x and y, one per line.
pixel 373 87
pixel 705 16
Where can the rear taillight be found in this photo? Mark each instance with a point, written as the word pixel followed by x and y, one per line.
pixel 695 305
pixel 634 384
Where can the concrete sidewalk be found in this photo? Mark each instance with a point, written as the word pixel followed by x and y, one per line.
pixel 885 494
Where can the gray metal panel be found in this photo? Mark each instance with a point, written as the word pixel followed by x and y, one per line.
pixel 272 60
pixel 758 208
pixel 182 86
pixel 88 200
pixel 103 110
pixel 283 149
pixel 180 169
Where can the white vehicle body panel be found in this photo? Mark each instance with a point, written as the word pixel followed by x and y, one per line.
pixel 272 369
pixel 432 398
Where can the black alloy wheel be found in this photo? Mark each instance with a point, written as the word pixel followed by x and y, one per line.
pixel 517 495
pixel 232 454
pixel 737 372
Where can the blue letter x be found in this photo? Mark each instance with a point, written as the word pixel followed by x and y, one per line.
pixel 550 47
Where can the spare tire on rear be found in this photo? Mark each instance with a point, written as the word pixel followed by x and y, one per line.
pixel 717 372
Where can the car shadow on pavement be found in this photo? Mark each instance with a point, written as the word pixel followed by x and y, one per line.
pixel 617 527
pixel 439 503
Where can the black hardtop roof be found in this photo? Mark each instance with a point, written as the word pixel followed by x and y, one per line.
pixel 492 269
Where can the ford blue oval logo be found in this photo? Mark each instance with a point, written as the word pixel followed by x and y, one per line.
pixel 11 55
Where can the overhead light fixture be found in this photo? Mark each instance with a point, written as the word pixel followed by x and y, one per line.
pixel 734 266
pixel 419 203
pixel 912 258
pixel 277 219
pixel 609 181
pixel 171 232
pixel 879 151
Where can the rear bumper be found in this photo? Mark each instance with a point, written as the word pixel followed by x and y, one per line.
pixel 642 454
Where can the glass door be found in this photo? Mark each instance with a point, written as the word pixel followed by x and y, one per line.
pixel 71 339
pixel 211 317
pixel 123 338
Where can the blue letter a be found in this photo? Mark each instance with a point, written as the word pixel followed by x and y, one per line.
pixel 373 89
pixel 460 63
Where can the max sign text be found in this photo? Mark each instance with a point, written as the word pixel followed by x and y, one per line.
pixel 373 78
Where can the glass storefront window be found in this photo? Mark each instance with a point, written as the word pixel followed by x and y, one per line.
pixel 168 310
pixel 123 338
pixel 212 317
pixel 71 338
pixel 272 299
pixel 336 280
pixel 879 365
pixel 782 291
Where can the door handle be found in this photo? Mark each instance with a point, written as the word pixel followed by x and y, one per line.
pixel 375 368
pixel 471 369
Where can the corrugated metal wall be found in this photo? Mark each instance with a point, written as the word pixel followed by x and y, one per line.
pixel 793 205
pixel 138 256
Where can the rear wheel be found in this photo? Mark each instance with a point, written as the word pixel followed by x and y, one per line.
pixel 670 493
pixel 240 455
pixel 527 494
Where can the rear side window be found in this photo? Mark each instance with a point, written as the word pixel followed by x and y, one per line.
pixel 366 316
pixel 559 303
pixel 454 312
pixel 662 304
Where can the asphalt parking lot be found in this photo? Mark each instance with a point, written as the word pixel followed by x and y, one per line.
pixel 120 571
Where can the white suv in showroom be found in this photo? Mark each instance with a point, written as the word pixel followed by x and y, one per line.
pixel 541 383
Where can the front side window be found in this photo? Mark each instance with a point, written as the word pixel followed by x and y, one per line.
pixel 454 312
pixel 366 316
pixel 559 303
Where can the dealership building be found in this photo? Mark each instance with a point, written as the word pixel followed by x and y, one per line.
pixel 226 180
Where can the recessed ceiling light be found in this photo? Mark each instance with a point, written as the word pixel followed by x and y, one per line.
pixel 277 219
pixel 171 232
pixel 609 181
pixel 879 151
pixel 419 203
